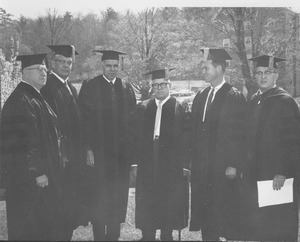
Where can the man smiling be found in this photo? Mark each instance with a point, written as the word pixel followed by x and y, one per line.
pixel 30 157
pixel 158 127
pixel 218 117
pixel 106 102
pixel 272 153
pixel 62 97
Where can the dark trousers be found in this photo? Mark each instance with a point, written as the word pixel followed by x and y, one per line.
pixel 209 231
pixel 102 232
pixel 71 206
pixel 149 234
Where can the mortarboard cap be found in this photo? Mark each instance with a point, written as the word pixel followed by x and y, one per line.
pixel 216 55
pixel 110 54
pixel 158 74
pixel 29 60
pixel 64 50
pixel 267 61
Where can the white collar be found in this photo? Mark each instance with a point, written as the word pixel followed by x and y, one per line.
pixel 59 78
pixel 113 81
pixel 219 86
pixel 163 101
pixel 32 86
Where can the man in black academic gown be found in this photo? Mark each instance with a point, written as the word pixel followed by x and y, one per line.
pixel 31 168
pixel 272 153
pixel 62 97
pixel 158 126
pixel 106 102
pixel 218 116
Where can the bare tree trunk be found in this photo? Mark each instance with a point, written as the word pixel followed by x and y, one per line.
pixel 240 44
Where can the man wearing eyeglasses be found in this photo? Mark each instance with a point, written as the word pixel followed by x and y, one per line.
pixel 62 97
pixel 158 134
pixel 218 114
pixel 272 153
pixel 30 157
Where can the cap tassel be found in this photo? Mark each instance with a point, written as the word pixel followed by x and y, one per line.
pixel 122 64
pixel 271 62
pixel 73 53
pixel 206 52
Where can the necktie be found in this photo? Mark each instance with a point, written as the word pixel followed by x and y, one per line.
pixel 67 86
pixel 113 100
pixel 209 103
pixel 69 89
pixel 259 98
pixel 209 100
pixel 115 123
pixel 157 120
pixel 113 92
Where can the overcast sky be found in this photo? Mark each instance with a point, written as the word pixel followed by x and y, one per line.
pixel 35 8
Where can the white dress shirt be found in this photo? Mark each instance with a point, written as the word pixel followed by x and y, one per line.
pixel 113 81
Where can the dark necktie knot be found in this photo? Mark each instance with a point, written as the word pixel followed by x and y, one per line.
pixel 258 98
pixel 66 84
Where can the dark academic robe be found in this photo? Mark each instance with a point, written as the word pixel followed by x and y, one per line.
pixel 66 108
pixel 217 145
pixel 159 192
pixel 29 149
pixel 106 134
pixel 273 140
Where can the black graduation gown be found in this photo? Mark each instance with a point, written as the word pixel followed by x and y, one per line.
pixel 29 148
pixel 217 145
pixel 273 140
pixel 65 106
pixel 107 137
pixel 160 204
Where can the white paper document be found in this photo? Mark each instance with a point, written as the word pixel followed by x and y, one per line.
pixel 268 197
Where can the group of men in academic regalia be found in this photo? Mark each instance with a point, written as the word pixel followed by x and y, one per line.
pixel 65 158
pixel 237 145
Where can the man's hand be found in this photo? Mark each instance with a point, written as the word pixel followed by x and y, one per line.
pixel 230 172
pixel 90 161
pixel 42 181
pixel 278 182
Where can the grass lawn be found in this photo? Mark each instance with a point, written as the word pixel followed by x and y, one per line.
pixel 128 231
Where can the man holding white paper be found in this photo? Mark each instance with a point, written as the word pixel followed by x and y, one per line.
pixel 272 154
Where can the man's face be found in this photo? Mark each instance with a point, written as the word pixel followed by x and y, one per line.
pixel 210 72
pixel 265 78
pixel 62 66
pixel 110 69
pixel 36 75
pixel 161 88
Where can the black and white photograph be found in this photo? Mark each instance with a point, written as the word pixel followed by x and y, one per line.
pixel 149 120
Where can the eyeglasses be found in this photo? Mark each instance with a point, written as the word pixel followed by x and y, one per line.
pixel 62 62
pixel 40 68
pixel 265 73
pixel 160 85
